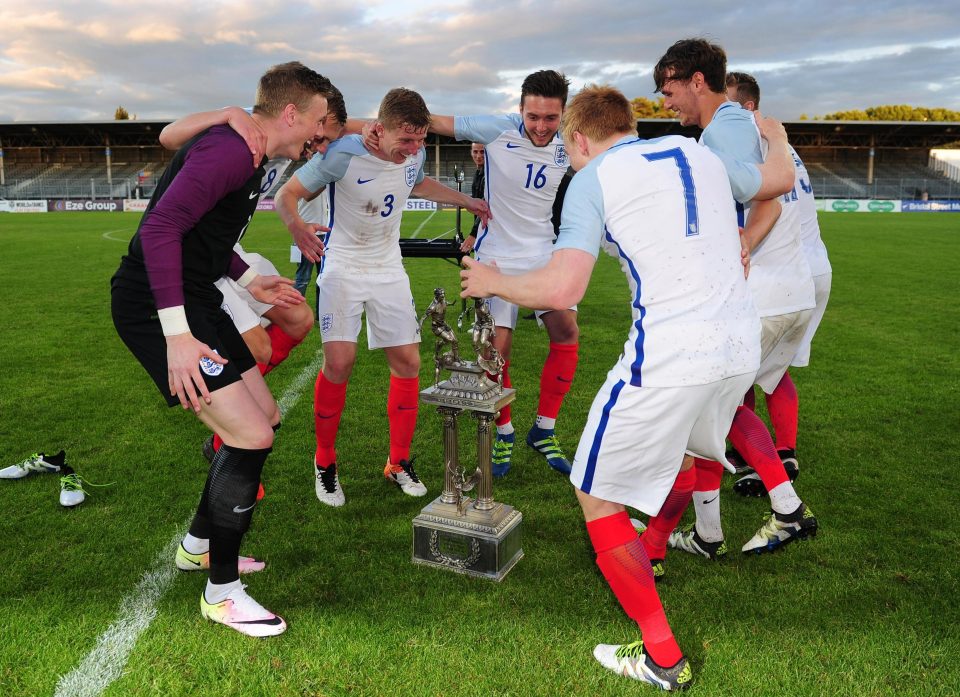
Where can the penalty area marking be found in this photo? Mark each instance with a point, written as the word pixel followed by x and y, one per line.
pixel 105 663
pixel 425 221
pixel 108 233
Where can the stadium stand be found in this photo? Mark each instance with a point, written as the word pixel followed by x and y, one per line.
pixel 70 160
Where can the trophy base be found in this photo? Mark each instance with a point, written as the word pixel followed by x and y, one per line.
pixel 485 544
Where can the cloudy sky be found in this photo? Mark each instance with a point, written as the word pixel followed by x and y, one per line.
pixel 70 60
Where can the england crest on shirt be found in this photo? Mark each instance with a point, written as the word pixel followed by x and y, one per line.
pixel 411 173
pixel 560 157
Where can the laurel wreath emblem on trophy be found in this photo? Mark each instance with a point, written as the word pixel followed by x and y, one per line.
pixel 442 558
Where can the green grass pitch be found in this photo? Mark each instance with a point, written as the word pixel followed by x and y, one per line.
pixel 868 608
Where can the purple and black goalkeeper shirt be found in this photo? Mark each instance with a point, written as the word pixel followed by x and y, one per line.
pixel 198 212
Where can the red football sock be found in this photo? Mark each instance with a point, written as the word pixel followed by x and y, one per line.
pixel 281 345
pixel 328 400
pixel 217 442
pixel 784 408
pixel 402 403
pixel 504 416
pixel 625 565
pixel 558 371
pixel 752 440
pixel 654 538
pixel 750 399
pixel 709 473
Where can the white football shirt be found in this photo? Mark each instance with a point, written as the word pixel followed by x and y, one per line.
pixel 810 240
pixel 521 186
pixel 780 277
pixel 664 208
pixel 367 196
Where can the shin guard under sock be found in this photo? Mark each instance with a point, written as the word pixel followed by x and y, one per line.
pixel 403 402
pixel 231 492
pixel 783 405
pixel 556 378
pixel 328 400
pixel 659 527
pixel 624 563
pixel 752 440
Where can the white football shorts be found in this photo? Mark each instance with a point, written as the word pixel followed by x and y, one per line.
pixel 821 285
pixel 635 437
pixel 780 339
pixel 391 313
pixel 245 310
pixel 504 313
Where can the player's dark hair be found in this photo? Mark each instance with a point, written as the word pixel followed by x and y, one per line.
pixel 289 83
pixel 545 83
pixel 336 107
pixel 400 107
pixel 598 112
pixel 747 88
pixel 689 56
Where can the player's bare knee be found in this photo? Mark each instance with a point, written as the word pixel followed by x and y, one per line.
pixel 258 341
pixel 337 371
pixel 260 438
pixel 295 321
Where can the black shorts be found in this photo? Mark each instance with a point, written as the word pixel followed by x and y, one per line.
pixel 137 323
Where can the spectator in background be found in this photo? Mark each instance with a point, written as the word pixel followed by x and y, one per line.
pixel 478 190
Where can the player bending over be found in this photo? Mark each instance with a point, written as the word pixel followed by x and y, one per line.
pixel 664 209
pixel 167 310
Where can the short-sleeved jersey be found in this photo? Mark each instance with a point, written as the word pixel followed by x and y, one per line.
pixel 664 208
pixel 367 196
pixel 810 240
pixel 732 135
pixel 521 181
pixel 780 277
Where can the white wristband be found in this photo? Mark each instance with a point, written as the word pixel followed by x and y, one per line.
pixel 247 277
pixel 173 320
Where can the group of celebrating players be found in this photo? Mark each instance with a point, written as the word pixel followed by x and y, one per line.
pixel 718 241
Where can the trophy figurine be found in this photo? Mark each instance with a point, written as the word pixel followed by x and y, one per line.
pixel 437 312
pixel 474 536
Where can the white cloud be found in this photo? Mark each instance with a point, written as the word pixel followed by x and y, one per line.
pixel 59 60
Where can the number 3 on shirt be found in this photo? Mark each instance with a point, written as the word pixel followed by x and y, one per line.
pixel 388 202
pixel 686 178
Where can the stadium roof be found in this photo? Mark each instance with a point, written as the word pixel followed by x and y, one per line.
pixel 833 134
pixel 79 133
pixel 839 134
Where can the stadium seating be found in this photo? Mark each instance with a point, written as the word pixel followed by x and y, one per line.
pixel 890 180
pixel 829 180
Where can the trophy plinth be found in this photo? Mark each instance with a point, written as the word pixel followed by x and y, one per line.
pixel 478 543
pixel 474 536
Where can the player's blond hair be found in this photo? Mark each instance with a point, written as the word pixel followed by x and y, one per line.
pixel 598 112
pixel 400 107
pixel 289 83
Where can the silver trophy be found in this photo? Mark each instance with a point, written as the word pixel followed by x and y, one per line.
pixel 474 536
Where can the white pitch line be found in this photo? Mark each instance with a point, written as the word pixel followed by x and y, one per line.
pixel 105 663
pixel 425 221
pixel 107 234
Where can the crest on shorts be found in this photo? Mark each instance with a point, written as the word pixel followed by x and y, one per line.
pixel 560 157
pixel 411 173
pixel 326 323
pixel 210 367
